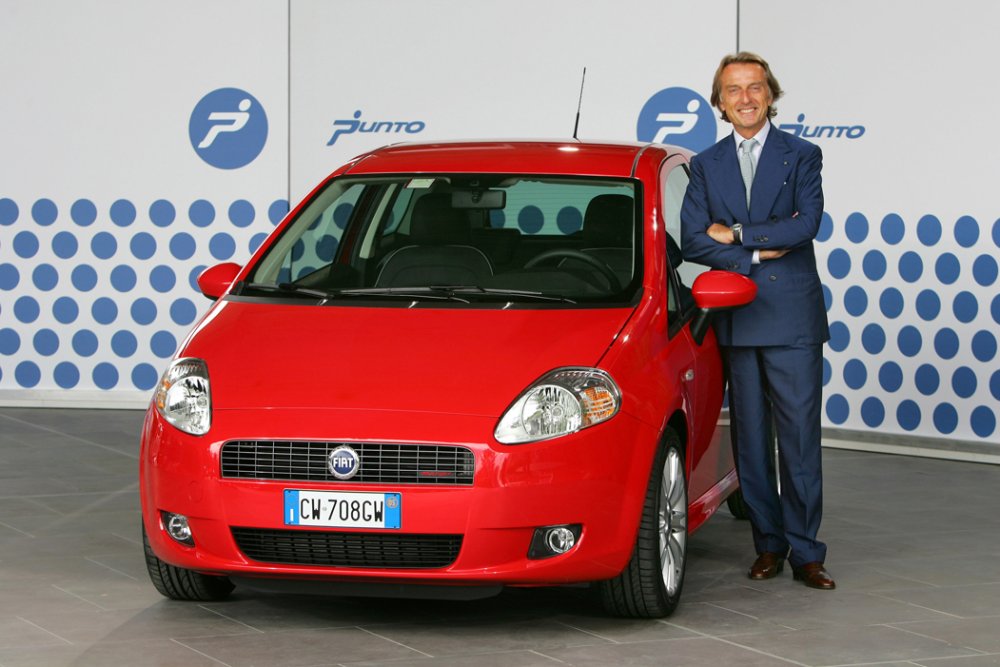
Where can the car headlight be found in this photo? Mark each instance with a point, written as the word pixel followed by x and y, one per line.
pixel 183 396
pixel 563 401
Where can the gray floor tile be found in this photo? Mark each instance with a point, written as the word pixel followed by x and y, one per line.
pixel 696 652
pixel 505 659
pixel 991 660
pixel 970 601
pixel 981 634
pixel 302 648
pixel 150 623
pixel 851 646
pixel 973 569
pixel 795 606
pixel 717 621
pixel 157 653
pixel 17 632
pixel 626 630
pixel 74 588
pixel 538 634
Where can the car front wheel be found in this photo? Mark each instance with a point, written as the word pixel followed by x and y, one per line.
pixel 179 584
pixel 650 585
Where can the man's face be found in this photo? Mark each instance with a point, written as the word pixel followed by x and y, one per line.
pixel 745 97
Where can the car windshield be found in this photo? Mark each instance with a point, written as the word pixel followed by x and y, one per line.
pixel 479 239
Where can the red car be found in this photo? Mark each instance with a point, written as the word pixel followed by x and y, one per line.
pixel 468 364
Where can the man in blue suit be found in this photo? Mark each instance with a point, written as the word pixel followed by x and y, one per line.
pixel 753 206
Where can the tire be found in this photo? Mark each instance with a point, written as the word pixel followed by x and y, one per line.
pixel 737 506
pixel 179 584
pixel 650 585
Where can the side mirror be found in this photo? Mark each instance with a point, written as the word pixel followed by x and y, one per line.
pixel 214 281
pixel 715 291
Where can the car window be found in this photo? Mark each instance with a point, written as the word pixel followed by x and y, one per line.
pixel 317 242
pixel 674 181
pixel 676 185
pixel 500 238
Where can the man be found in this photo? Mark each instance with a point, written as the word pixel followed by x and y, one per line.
pixel 754 206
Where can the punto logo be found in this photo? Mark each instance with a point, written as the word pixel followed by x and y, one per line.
pixel 228 128
pixel 677 116
pixel 351 125
pixel 843 131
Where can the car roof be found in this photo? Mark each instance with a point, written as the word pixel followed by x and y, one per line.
pixel 506 156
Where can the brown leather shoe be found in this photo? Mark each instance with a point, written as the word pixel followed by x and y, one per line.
pixel 814 575
pixel 767 566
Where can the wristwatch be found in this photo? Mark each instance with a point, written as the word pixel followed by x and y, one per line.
pixel 737 233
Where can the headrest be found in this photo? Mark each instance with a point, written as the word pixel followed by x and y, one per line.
pixel 608 221
pixel 434 221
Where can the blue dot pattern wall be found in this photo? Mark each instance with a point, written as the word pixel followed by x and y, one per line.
pixel 98 297
pixel 914 309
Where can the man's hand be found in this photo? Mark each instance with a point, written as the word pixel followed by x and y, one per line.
pixel 772 254
pixel 720 233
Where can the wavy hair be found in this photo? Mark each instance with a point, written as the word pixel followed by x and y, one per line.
pixel 753 59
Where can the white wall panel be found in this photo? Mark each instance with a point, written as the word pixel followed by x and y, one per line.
pixel 487 70
pixel 909 249
pixel 107 211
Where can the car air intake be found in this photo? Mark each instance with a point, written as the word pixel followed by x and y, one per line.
pixel 289 460
pixel 337 549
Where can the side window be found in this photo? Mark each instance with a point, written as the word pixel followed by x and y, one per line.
pixel 673 185
pixel 673 191
pixel 676 186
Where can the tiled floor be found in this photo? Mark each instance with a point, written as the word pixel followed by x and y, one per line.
pixel 914 545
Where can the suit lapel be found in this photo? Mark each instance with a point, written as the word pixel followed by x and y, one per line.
pixel 733 191
pixel 773 169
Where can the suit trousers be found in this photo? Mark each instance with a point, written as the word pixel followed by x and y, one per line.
pixel 780 386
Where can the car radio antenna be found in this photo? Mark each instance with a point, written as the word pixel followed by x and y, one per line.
pixel 579 104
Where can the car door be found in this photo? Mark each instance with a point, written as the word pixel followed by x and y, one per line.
pixel 709 460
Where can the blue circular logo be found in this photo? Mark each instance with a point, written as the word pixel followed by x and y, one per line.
pixel 678 116
pixel 344 462
pixel 228 128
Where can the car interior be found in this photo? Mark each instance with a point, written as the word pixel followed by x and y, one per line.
pixel 464 234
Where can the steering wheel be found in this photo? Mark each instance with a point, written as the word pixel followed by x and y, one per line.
pixel 567 253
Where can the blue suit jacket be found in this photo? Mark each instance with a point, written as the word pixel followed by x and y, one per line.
pixel 786 205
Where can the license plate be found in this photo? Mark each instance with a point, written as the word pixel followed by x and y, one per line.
pixel 342 510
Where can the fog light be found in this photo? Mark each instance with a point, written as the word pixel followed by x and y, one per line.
pixel 553 540
pixel 178 528
pixel 560 540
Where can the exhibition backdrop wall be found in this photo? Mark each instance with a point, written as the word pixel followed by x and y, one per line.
pixel 141 143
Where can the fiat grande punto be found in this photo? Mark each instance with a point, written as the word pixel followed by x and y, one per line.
pixel 453 366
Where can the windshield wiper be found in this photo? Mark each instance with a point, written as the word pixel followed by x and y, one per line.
pixel 452 292
pixel 525 294
pixel 292 289
pixel 432 292
pixel 288 288
pixel 438 293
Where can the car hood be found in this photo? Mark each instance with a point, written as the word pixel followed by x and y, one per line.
pixel 457 361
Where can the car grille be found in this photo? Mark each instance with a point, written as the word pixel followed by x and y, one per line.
pixel 371 550
pixel 380 463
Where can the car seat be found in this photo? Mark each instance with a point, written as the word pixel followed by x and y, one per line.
pixel 439 252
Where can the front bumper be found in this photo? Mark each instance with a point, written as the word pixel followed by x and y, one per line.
pixel 596 477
